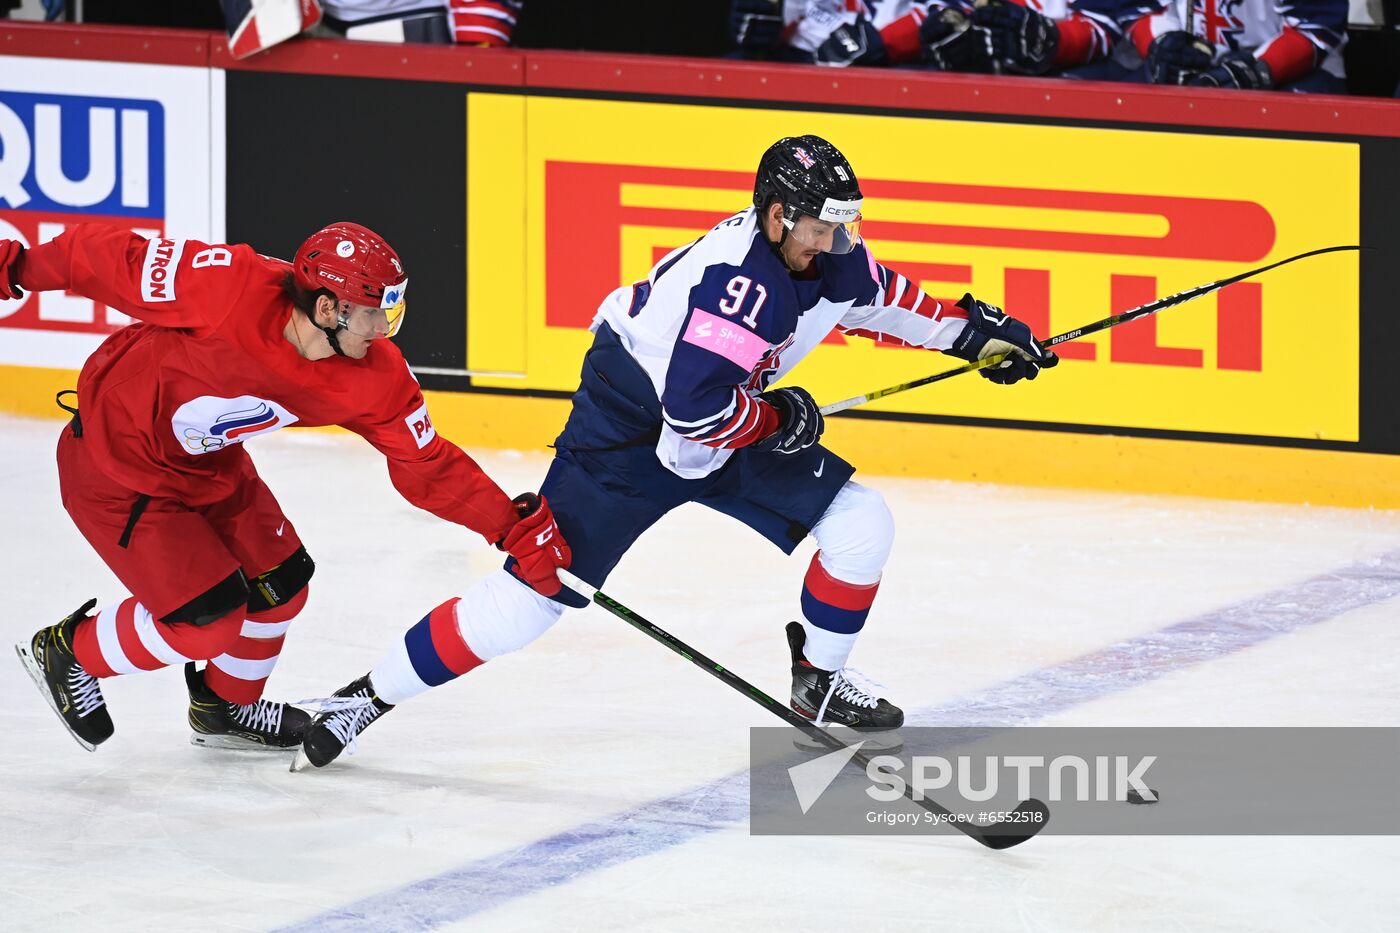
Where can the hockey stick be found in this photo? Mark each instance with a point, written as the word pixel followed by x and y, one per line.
pixel 1028 819
pixel 1131 315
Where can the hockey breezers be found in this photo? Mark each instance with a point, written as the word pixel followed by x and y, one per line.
pixel 1131 315
pixel 1030 817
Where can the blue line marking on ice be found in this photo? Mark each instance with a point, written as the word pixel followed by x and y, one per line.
pixel 671 821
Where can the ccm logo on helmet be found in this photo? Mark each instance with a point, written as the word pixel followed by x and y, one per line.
pixel 158 273
pixel 421 426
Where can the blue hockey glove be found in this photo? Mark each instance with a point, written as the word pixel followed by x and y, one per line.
pixel 1022 39
pixel 755 25
pixel 951 43
pixel 991 330
pixel 53 9
pixel 800 421
pixel 1176 57
pixel 857 43
pixel 1237 69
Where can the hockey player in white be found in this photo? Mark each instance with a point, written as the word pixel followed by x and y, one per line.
pixel 674 407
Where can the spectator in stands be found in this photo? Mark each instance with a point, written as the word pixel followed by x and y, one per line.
pixel 840 33
pixel 1039 37
pixel 1287 45
pixel 466 22
pixel 1018 36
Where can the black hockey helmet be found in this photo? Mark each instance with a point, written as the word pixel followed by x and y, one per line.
pixel 811 177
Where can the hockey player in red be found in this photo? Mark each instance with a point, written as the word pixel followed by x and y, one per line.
pixel 231 345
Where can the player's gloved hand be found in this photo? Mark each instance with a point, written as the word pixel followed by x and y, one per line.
pixel 10 251
pixel 1237 69
pixel 755 25
pixel 1022 39
pixel 537 544
pixel 951 43
pixel 800 421
pixel 1176 57
pixel 53 9
pixel 991 330
pixel 857 43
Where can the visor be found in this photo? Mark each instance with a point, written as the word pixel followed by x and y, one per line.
pixel 836 229
pixel 394 305
pixel 391 311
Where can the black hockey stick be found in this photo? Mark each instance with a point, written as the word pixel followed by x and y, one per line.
pixel 1027 819
pixel 1131 315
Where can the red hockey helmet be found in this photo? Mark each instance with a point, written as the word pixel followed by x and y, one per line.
pixel 354 264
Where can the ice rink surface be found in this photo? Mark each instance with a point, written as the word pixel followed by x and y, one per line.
pixel 594 781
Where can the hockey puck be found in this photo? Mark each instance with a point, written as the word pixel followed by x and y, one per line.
pixel 1135 797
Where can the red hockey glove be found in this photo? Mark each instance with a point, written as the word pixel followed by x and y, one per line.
pixel 536 544
pixel 10 251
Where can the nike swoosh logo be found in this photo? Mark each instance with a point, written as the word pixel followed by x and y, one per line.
pixel 279 529
pixel 821 466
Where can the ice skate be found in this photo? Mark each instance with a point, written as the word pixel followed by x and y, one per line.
pixel 832 699
pixel 260 726
pixel 346 714
pixel 71 692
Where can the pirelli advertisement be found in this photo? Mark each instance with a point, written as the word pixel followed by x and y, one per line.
pixel 1061 225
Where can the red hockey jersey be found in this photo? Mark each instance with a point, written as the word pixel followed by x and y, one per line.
pixel 167 401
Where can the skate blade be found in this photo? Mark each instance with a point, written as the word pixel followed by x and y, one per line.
pixel 35 674
pixel 234 743
pixel 887 742
pixel 300 762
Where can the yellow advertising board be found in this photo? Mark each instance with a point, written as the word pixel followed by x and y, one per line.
pixel 1062 226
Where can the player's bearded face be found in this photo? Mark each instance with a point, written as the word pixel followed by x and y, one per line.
pixel 808 236
pixel 796 256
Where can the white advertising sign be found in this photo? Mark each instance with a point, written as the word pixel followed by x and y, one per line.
pixel 104 142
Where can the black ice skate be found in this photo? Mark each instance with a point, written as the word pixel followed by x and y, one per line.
pixel 831 698
pixel 346 714
pixel 72 692
pixel 260 726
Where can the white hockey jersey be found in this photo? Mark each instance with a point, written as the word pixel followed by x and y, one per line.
pixel 718 320
pixel 352 11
